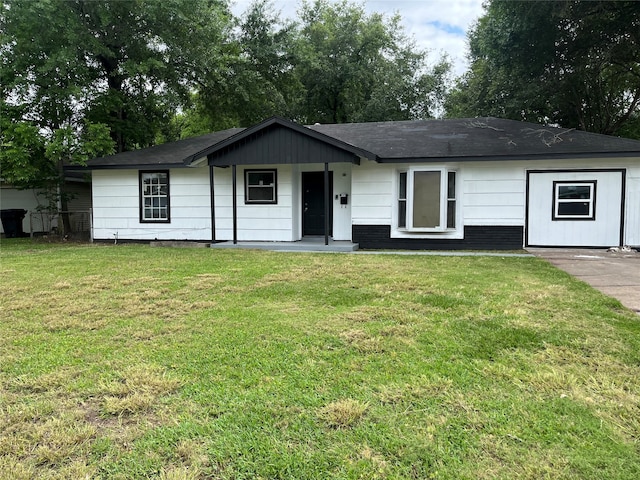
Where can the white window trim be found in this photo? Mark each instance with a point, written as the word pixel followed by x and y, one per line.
pixel 425 233
pixel 143 196
pixel 442 224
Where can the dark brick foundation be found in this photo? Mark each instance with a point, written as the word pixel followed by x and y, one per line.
pixel 475 238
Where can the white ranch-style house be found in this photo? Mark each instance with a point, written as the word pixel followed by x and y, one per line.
pixel 434 184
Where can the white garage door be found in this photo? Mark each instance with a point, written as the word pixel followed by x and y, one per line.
pixel 574 208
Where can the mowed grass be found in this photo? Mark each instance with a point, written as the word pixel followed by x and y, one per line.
pixel 130 362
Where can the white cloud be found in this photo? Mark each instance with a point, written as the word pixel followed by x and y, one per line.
pixel 439 26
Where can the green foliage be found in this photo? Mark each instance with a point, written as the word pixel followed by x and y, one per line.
pixel 22 159
pixel 75 148
pixel 157 71
pixel 356 67
pixel 127 64
pixel 31 159
pixel 257 79
pixel 335 64
pixel 569 62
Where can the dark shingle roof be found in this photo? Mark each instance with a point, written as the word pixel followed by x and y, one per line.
pixel 420 140
pixel 475 139
pixel 167 155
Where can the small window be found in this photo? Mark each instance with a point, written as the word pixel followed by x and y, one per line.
pixel 427 200
pixel 574 200
pixel 154 197
pixel 260 186
pixel 451 200
pixel 402 200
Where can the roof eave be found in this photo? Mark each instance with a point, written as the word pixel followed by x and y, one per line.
pixel 136 166
pixel 505 158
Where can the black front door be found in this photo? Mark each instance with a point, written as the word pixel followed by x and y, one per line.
pixel 313 203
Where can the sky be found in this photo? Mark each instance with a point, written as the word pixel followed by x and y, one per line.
pixel 439 26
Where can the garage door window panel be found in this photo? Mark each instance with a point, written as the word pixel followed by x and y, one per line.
pixel 574 200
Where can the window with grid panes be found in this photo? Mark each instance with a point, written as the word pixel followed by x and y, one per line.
pixel 154 196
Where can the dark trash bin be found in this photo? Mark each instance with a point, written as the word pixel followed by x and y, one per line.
pixel 12 222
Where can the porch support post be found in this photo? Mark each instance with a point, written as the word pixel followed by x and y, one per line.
pixel 327 205
pixel 234 204
pixel 213 205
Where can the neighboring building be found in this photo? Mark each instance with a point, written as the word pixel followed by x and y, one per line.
pixel 433 184
pixel 38 220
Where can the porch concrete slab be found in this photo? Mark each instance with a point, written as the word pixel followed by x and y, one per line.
pixel 178 244
pixel 616 274
pixel 305 245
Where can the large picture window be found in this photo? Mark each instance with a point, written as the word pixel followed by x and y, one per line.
pixel 427 200
pixel 154 197
pixel 574 200
pixel 260 186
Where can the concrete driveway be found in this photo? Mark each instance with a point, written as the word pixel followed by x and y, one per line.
pixel 616 274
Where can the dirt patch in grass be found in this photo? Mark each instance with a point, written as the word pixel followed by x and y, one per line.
pixel 343 413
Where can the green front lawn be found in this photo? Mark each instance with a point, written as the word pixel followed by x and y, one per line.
pixel 137 362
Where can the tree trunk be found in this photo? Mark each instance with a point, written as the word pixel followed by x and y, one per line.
pixel 64 200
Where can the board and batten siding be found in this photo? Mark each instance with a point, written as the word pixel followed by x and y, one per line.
pixel 494 194
pixel 602 230
pixel 606 236
pixel 116 206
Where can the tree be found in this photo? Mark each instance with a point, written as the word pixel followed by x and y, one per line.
pixel 32 160
pixel 68 147
pixel 568 62
pixel 334 64
pixel 257 81
pixel 22 148
pixel 357 67
pixel 129 65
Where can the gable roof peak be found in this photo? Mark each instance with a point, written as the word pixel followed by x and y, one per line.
pixel 280 122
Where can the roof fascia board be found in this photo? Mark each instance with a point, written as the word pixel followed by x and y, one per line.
pixel 506 158
pixel 137 166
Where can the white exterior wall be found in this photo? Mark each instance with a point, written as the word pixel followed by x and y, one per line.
pixel 44 222
pixel 488 193
pixel 601 231
pixel 271 223
pixel 342 213
pixel 281 222
pixel 632 217
pixel 116 206
pixel 631 233
pixel 493 194
pixel 373 187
